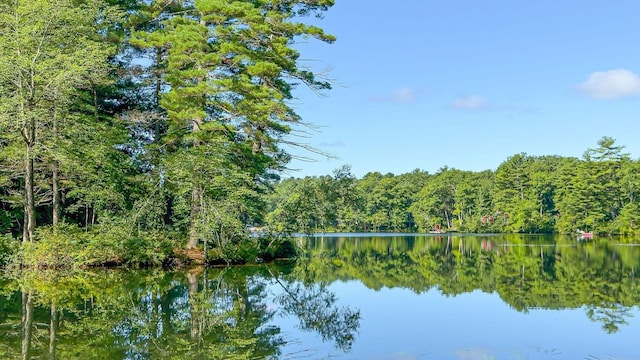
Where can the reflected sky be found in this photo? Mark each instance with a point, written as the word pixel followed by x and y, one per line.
pixel 358 297
pixel 400 324
pixel 400 321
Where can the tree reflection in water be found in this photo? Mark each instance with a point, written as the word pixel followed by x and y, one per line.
pixel 199 314
pixel 232 313
pixel 527 272
pixel 611 316
pixel 315 306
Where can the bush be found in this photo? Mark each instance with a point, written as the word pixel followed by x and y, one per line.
pixel 71 247
pixel 8 248
pixel 239 251
pixel 275 246
pixel 115 243
pixel 53 248
pixel 151 249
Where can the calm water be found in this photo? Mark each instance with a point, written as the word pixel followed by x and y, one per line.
pixel 350 297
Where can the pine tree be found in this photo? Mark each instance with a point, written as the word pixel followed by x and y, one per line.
pixel 229 66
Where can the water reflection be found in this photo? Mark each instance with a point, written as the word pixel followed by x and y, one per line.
pixel 199 314
pixel 528 272
pixel 249 312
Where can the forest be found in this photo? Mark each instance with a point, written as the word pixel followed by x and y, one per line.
pixel 131 128
pixel 525 194
pixel 136 132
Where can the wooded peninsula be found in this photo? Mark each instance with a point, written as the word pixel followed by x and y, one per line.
pixel 148 132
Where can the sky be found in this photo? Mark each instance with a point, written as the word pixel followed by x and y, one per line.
pixel 424 84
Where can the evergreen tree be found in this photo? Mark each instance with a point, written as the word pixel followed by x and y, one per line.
pixel 227 69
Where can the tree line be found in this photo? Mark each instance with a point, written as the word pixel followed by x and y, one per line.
pixel 130 128
pixel 525 194
pixel 155 120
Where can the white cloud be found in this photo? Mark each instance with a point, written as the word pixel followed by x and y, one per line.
pixel 470 102
pixel 402 95
pixel 612 84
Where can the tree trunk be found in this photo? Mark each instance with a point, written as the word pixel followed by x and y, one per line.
pixel 29 204
pixel 27 321
pixel 196 198
pixel 195 211
pixel 86 217
pixel 53 329
pixel 56 194
pixel 25 233
pixel 158 91
pixel 55 179
pixel 193 308
pixel 257 140
pixel 446 218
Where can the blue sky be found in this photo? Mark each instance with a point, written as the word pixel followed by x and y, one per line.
pixel 422 84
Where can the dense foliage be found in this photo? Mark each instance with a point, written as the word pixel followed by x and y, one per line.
pixel 129 129
pixel 145 123
pixel 526 194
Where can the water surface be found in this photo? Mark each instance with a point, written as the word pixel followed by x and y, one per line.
pixel 349 297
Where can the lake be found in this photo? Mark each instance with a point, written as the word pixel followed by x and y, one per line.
pixel 350 296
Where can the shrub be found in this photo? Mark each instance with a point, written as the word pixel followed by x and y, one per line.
pixel 149 249
pixel 239 251
pixel 53 248
pixel 273 246
pixel 71 247
pixel 8 248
